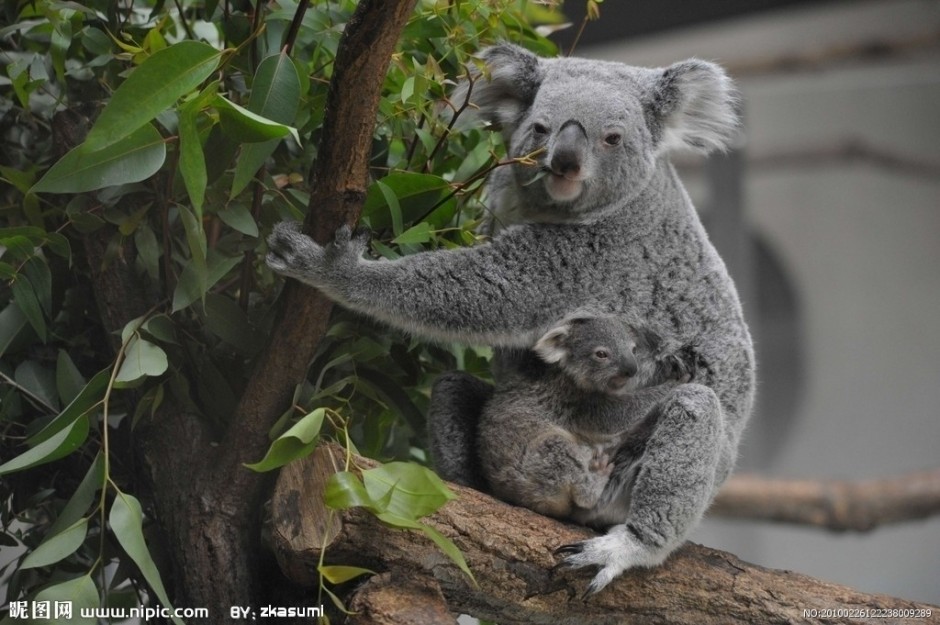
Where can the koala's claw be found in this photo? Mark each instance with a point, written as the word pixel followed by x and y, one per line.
pixel 600 462
pixel 567 550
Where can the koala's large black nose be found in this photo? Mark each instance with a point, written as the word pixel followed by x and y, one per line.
pixel 629 367
pixel 568 153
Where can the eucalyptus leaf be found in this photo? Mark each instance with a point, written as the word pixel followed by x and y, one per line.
pixel 57 547
pixel 337 574
pixel 345 490
pixel 141 358
pixel 246 127
pixel 25 299
pixel 79 593
pixel 39 381
pixel 238 216
pixel 57 446
pixel 275 94
pixel 68 379
pixel 416 491
pixel 420 233
pixel 137 156
pixel 295 443
pixel 192 163
pixel 153 87
pixel 87 398
pixel 127 522
pixel 82 498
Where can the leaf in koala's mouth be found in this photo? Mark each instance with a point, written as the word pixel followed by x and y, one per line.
pixel 538 176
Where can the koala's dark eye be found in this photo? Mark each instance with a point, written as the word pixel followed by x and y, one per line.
pixel 539 129
pixel 613 138
pixel 601 354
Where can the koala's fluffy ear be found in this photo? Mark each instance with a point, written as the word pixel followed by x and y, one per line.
pixel 505 88
pixel 551 347
pixel 692 105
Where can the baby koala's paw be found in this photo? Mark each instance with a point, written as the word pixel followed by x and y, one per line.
pixel 678 370
pixel 601 462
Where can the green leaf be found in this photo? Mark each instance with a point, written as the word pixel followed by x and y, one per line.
pixel 25 299
pixel 238 216
pixel 58 446
pixel 39 381
pixel 449 548
pixel 415 491
pixel 136 157
pixel 141 358
pixel 296 442
pixel 68 379
pixel 420 233
pixel 338 574
pixel 345 490
pixel 192 287
pixel 275 94
pixel 57 547
pixel 414 196
pixel 12 322
pixel 226 319
pixel 192 160
pixel 82 498
pixel 80 592
pixel 127 520
pixel 154 87
pixel 89 397
pixel 246 127
pixel 394 207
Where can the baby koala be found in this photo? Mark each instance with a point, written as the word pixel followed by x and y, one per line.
pixel 548 434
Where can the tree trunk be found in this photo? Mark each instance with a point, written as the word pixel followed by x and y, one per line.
pixel 510 549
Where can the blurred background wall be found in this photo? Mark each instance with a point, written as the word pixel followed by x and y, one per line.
pixel 829 216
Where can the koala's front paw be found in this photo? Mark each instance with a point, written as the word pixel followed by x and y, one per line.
pixel 294 254
pixel 613 554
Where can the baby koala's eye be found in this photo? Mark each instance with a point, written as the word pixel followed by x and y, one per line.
pixel 539 129
pixel 613 138
pixel 601 354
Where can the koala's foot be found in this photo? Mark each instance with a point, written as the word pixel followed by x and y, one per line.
pixel 613 553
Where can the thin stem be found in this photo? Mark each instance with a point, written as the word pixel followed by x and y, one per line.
pixel 295 23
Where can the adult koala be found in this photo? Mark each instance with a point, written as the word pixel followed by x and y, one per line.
pixel 609 229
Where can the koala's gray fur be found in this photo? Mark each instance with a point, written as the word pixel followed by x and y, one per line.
pixel 549 435
pixel 608 229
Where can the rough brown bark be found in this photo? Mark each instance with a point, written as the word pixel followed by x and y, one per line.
pixel 399 598
pixel 839 505
pixel 509 550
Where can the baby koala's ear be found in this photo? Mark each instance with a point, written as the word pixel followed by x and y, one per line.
pixel 551 347
pixel 692 105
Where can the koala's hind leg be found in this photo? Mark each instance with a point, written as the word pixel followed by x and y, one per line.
pixel 457 400
pixel 675 482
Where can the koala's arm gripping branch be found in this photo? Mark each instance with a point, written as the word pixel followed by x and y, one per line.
pixel 499 294
pixel 509 549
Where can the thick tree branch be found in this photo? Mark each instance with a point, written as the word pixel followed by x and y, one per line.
pixel 509 550
pixel 839 505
